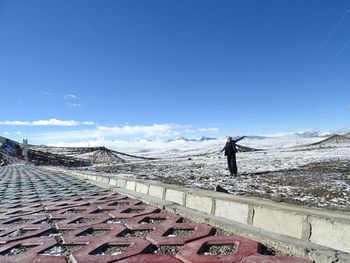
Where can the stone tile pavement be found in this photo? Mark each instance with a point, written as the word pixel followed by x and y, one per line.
pixel 54 218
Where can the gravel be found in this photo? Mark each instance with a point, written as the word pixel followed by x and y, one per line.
pixel 61 250
pixel 180 232
pixel 163 249
pixel 135 233
pixel 110 250
pixel 17 250
pixel 218 249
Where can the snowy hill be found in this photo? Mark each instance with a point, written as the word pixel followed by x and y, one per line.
pixel 10 150
pixel 314 134
pixel 333 141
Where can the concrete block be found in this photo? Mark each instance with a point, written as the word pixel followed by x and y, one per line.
pixel 330 233
pixel 113 181
pixel 231 210
pixel 105 180
pixel 282 222
pixel 141 188
pixel 174 196
pixel 130 185
pixel 121 182
pixel 156 191
pixel 201 203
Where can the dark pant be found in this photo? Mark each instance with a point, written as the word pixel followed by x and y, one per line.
pixel 232 165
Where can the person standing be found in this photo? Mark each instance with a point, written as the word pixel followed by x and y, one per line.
pixel 230 151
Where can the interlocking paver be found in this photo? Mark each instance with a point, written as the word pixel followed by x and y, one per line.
pixel 83 220
pixel 23 220
pixel 117 204
pixel 51 217
pixel 85 234
pixel 191 253
pixel 133 211
pixel 153 220
pixel 29 251
pixel 15 233
pixel 103 250
pixel 179 233
pixel 145 258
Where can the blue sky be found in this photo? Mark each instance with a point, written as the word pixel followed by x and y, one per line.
pixel 142 69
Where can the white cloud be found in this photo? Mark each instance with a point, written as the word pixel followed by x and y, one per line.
pixel 55 122
pixel 73 104
pixel 112 135
pixel 69 97
pixel 88 122
pixel 15 123
pixel 50 122
pixel 209 130
pixel 6 133
pixel 147 130
pixel 147 147
pixel 279 134
pixel 154 131
pixel 18 133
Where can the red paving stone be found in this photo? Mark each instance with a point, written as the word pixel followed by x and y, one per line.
pixel 85 234
pixel 162 234
pixel 15 233
pixel 133 211
pixel 145 258
pixel 33 255
pixel 147 221
pixel 103 226
pixel 93 251
pixel 190 253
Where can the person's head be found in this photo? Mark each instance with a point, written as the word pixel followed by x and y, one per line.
pixel 229 139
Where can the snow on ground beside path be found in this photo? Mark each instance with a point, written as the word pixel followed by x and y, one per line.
pixel 311 176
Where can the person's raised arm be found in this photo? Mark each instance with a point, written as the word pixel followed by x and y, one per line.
pixel 240 139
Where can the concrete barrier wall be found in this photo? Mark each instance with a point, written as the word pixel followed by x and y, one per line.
pixel 317 226
pixel 232 210
pixel 330 233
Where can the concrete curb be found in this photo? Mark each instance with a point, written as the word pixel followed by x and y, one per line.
pixel 314 234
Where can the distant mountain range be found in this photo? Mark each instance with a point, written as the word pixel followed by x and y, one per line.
pixel 303 134
pixel 182 138
pixel 315 134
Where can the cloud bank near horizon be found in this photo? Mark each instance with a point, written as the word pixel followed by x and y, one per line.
pixel 49 122
pixel 76 133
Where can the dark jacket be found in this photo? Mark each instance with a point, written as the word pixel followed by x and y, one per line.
pixel 230 147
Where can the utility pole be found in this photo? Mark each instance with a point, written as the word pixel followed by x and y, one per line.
pixel 25 150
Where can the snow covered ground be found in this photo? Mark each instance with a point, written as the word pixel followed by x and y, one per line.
pixel 285 171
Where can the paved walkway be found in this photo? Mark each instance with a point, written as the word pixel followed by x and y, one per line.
pixel 54 218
